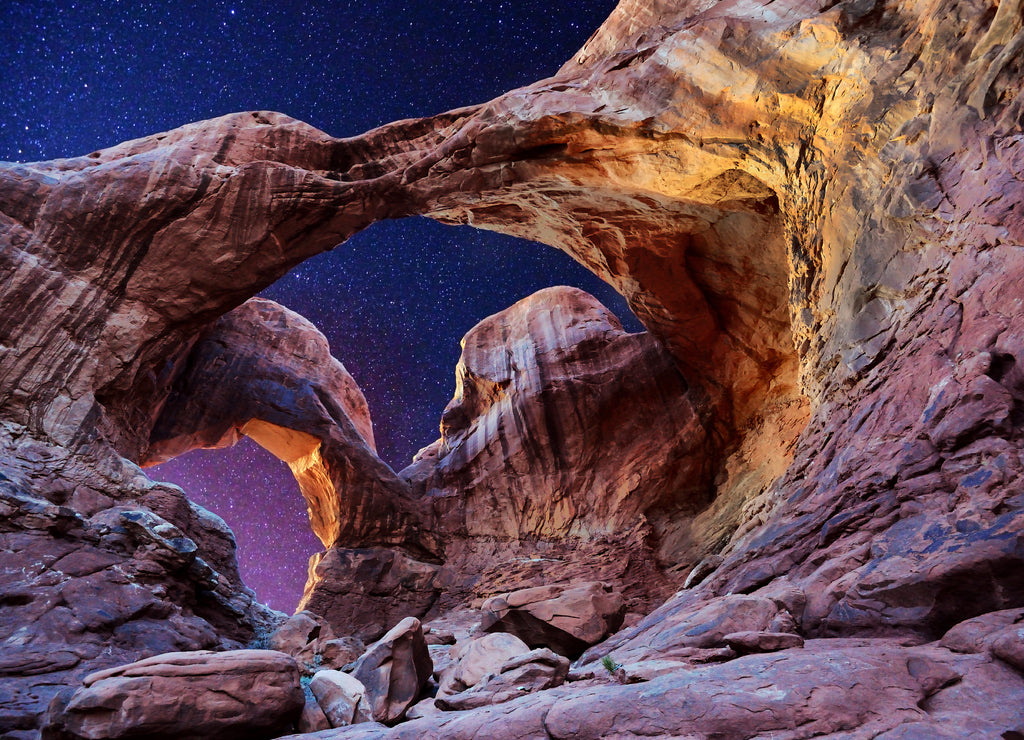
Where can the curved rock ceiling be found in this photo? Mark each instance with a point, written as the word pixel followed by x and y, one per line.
pixel 814 209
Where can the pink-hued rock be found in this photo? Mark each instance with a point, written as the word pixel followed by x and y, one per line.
pixel 557 617
pixel 236 694
pixel 976 635
pixel 534 670
pixel 312 718
pixel 365 591
pixel 308 638
pixel 265 372
pixel 553 389
pixel 762 642
pixel 1008 646
pixel 341 698
pixel 831 688
pixel 394 671
pixel 474 659
pixel 684 624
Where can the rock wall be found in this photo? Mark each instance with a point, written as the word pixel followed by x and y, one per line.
pixel 814 207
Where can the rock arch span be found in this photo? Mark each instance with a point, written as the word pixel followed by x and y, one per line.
pixel 813 206
pixel 265 372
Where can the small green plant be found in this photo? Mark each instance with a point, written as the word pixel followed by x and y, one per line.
pixel 609 663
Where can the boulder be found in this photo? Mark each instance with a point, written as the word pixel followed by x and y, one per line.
pixel 532 671
pixel 303 636
pixel 297 633
pixel 341 697
pixel 312 718
pixel 976 635
pixel 340 651
pixel 1008 645
pixel 762 642
pixel 565 619
pixel 394 671
pixel 687 628
pixel 236 694
pixel 477 658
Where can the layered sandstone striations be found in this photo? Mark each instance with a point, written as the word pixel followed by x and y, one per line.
pixel 814 207
pixel 539 451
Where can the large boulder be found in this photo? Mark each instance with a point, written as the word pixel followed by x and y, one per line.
pixel 568 620
pixel 340 697
pixel 473 660
pixel 308 638
pixel 394 671
pixel 232 695
pixel 522 674
pixel 681 629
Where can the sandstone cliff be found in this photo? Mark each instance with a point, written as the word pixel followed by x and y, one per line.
pixel 814 208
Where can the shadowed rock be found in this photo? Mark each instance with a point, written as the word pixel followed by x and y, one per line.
pixel 394 671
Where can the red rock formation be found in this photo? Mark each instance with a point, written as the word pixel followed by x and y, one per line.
pixel 814 207
pixel 540 439
pixel 233 695
pixel 540 452
pixel 265 372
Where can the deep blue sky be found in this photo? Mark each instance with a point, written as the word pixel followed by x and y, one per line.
pixel 394 300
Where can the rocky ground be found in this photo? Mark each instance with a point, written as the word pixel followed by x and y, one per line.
pixel 791 508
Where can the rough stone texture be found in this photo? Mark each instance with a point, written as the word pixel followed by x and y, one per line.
pixel 312 718
pixel 341 698
pixel 534 670
pixel 265 372
pixel 341 651
pixel 308 638
pixel 587 611
pixel 976 635
pixel 394 671
pixel 762 642
pixel 236 694
pixel 89 584
pixel 683 624
pixel 1008 646
pixel 540 439
pixel 474 659
pixel 814 207
pixel 364 591
pixel 840 688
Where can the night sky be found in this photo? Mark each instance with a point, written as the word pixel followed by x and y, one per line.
pixel 394 300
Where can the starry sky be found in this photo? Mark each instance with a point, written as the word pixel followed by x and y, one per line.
pixel 395 299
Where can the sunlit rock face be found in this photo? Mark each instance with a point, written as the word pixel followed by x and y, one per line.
pixel 814 207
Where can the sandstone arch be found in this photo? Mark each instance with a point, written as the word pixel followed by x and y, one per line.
pixel 265 372
pixel 855 166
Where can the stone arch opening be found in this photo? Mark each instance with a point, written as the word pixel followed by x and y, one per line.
pixel 245 364
pixel 699 246
pixel 264 510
